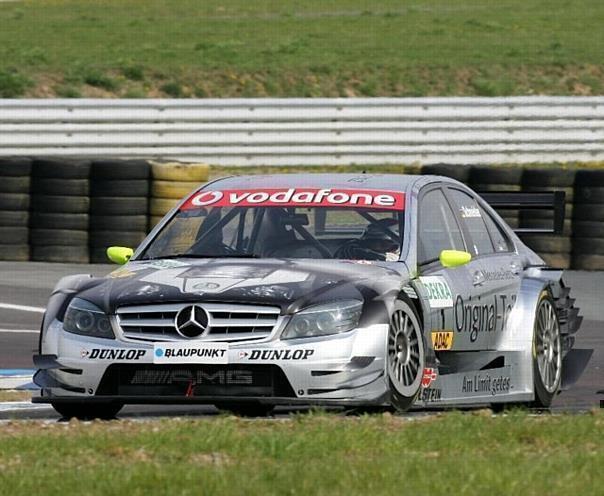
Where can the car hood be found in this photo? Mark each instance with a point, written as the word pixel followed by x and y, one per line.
pixel 290 284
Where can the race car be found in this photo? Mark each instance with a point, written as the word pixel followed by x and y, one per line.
pixel 350 290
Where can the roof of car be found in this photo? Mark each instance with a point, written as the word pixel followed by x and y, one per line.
pixel 388 182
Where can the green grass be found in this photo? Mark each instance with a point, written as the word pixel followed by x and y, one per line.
pixel 316 454
pixel 314 48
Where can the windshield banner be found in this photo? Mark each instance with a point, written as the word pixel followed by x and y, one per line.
pixel 298 197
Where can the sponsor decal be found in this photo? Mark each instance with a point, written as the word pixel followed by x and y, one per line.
pixel 301 197
pixel 112 354
pixel 429 376
pixel 484 383
pixel 439 293
pixel 470 212
pixel 298 354
pixel 498 275
pixel 442 340
pixel 410 292
pixel 430 395
pixel 476 316
pixel 190 353
pixel 193 377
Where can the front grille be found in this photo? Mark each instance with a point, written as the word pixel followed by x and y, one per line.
pixel 226 322
pixel 195 381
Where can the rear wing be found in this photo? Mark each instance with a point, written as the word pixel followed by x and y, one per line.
pixel 512 200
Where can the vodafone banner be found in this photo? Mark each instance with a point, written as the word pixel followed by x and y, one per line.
pixel 298 197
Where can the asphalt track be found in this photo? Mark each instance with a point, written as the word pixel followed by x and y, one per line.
pixel 25 287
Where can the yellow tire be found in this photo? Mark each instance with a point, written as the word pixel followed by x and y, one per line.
pixel 173 189
pixel 174 171
pixel 160 206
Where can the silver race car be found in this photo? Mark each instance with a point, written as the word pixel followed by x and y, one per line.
pixel 327 289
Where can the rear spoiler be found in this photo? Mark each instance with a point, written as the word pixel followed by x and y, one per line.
pixel 551 200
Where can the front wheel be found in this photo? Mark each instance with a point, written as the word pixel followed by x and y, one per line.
pixel 406 357
pixel 547 353
pixel 87 411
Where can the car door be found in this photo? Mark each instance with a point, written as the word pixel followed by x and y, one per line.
pixel 495 269
pixel 450 291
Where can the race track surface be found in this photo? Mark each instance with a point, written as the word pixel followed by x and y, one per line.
pixel 25 287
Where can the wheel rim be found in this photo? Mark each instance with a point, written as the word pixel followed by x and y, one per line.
pixel 404 354
pixel 547 346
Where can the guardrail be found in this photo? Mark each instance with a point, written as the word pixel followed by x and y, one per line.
pixel 310 131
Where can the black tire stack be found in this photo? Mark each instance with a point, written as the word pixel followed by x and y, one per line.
pixel 498 179
pixel 588 221
pixel 118 205
pixel 15 177
pixel 59 214
pixel 554 249
pixel 459 172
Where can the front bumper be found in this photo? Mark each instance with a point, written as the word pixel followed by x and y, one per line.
pixel 345 369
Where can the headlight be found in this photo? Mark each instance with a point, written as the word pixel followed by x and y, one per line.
pixel 82 317
pixel 322 320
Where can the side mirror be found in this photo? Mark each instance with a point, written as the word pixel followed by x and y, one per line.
pixel 454 258
pixel 119 254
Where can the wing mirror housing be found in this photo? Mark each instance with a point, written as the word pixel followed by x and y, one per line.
pixel 119 254
pixel 454 258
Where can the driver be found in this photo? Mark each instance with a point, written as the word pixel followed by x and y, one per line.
pixel 374 244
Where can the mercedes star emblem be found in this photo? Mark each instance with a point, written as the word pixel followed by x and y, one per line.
pixel 191 321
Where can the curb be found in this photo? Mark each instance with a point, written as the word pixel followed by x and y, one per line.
pixel 17 379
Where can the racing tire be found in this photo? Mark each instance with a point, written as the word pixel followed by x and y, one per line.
pixel 120 169
pixel 87 411
pixel 455 171
pixel 588 262
pixel 14 235
pixel 174 171
pixel 14 218
pixel 116 205
pixel 588 211
pixel 65 187
pixel 118 222
pixel 581 229
pixel 72 254
pixel 173 189
pixel 14 201
pixel 120 187
pixel 496 175
pixel 588 246
pixel 251 409
pixel 41 220
pixel 405 355
pixel 61 204
pixel 61 168
pixel 14 253
pixel 590 194
pixel 15 166
pixel 19 184
pixel 116 238
pixel 161 206
pixel 58 237
pixel 546 352
pixel 548 179
pixel 549 244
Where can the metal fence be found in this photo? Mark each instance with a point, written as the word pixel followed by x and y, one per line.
pixel 310 131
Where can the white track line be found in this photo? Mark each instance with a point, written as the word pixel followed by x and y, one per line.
pixel 19 331
pixel 23 308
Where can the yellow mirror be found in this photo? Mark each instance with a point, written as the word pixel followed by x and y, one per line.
pixel 119 254
pixel 454 258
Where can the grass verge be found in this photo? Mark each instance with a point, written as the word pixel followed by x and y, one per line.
pixel 13 395
pixel 314 453
pixel 227 48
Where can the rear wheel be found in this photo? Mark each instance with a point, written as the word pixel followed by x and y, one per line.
pixel 87 411
pixel 246 409
pixel 547 352
pixel 405 361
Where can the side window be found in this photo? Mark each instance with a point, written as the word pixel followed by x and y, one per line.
pixel 500 239
pixel 471 216
pixel 438 229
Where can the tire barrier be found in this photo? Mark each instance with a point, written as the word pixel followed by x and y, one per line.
pixel 171 182
pixel 59 210
pixel 588 221
pixel 15 178
pixel 555 250
pixel 118 205
pixel 483 179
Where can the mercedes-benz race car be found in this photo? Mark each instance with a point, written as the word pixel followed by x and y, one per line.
pixel 324 289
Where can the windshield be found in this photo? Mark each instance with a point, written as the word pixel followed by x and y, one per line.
pixel 291 223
